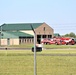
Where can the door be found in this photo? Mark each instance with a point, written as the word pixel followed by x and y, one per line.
pixel 8 41
pixel 39 39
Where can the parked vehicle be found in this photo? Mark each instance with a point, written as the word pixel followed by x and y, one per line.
pixel 65 40
pixel 48 41
pixel 59 41
pixel 74 40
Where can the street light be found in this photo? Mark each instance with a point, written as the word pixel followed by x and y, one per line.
pixel 35 71
pixel 0 34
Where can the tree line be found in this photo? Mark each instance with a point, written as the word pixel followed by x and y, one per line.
pixel 73 35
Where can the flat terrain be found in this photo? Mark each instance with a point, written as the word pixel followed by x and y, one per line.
pixel 49 62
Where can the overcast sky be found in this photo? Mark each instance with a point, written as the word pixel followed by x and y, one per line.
pixel 59 14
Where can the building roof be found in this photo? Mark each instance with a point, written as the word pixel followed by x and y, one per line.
pixel 15 34
pixel 19 26
pixel 20 34
pixel 56 34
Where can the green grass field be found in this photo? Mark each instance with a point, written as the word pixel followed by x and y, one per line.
pixel 45 46
pixel 21 62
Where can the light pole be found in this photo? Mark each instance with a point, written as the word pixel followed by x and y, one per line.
pixel 0 35
pixel 35 69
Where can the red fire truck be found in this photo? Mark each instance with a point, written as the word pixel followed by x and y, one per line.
pixel 65 40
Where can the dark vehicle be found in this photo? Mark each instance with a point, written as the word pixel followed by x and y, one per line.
pixel 38 49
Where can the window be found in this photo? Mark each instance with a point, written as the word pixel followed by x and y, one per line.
pixel 44 29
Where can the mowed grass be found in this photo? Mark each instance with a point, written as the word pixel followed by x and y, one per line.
pixel 45 46
pixel 21 62
pixel 59 46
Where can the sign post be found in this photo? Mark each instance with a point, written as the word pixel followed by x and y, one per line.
pixel 35 69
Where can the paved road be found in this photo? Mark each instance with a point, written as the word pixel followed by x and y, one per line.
pixel 10 48
pixel 69 54
pixel 13 48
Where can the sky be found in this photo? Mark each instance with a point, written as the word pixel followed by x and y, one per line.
pixel 59 14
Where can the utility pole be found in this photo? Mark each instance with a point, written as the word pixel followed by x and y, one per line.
pixel 35 68
pixel 0 35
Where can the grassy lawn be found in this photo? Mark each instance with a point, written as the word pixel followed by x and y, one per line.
pixel 21 62
pixel 23 46
pixel 59 46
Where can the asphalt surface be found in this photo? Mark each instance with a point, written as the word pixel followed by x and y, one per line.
pixel 58 54
pixel 10 48
pixel 15 48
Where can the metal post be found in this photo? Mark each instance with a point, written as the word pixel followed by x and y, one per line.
pixel 34 54
pixel 35 68
pixel 0 35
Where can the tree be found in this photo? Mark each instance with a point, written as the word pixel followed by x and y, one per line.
pixel 72 34
pixel 66 35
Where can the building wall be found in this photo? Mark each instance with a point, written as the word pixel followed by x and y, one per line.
pixel 3 41
pixel 14 41
pixel 10 42
pixel 44 29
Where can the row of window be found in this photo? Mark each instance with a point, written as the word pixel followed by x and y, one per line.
pixel 26 40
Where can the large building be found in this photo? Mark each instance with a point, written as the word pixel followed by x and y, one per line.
pixel 19 33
